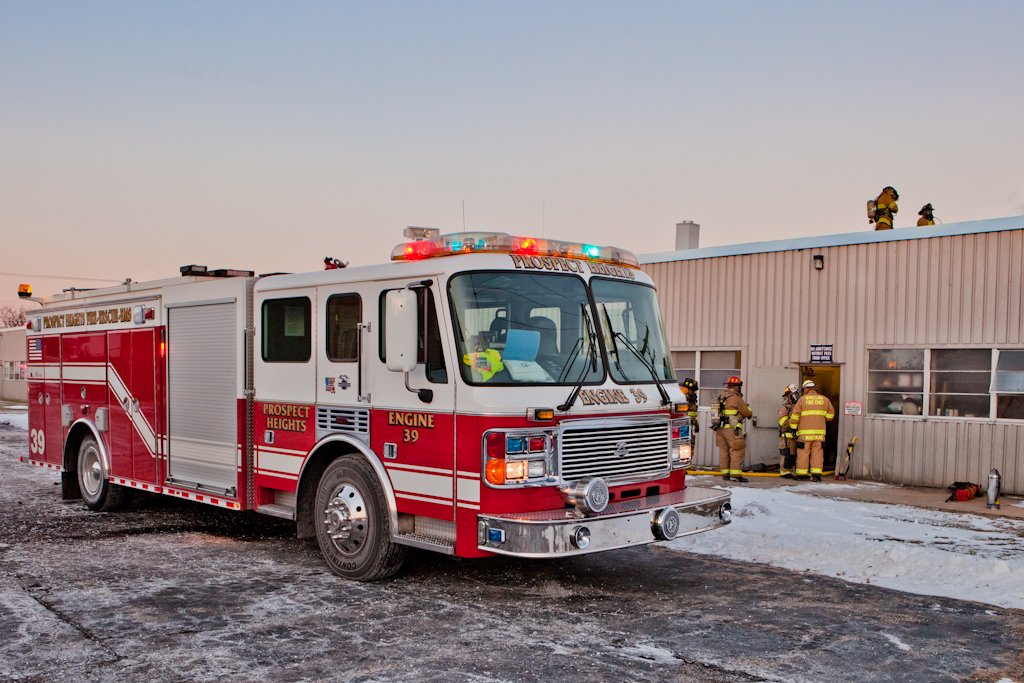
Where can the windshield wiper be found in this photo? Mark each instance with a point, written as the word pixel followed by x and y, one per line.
pixel 591 356
pixel 665 399
pixel 615 347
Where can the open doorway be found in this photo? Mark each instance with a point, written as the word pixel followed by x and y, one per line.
pixel 827 379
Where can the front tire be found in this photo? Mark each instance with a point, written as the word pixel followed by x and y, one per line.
pixel 352 523
pixel 97 491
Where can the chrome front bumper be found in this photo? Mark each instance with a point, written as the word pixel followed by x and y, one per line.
pixel 552 533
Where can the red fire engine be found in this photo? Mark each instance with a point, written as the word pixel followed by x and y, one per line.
pixel 479 394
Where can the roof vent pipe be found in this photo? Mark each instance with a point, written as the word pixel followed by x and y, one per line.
pixel 687 235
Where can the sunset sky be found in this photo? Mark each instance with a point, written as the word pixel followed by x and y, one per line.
pixel 136 137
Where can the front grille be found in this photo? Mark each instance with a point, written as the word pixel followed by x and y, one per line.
pixel 614 449
pixel 330 420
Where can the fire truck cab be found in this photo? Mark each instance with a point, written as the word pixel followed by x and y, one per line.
pixel 481 394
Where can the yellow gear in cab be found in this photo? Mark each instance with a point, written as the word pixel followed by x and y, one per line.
pixel 487 362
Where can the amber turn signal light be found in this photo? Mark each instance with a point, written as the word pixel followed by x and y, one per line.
pixel 496 471
pixel 24 291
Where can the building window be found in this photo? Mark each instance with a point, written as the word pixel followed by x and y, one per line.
pixel 685 364
pixel 960 382
pixel 13 370
pixel 895 381
pixel 287 330
pixel 716 367
pixel 1009 385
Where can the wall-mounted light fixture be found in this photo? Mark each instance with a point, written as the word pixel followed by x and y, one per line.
pixel 819 261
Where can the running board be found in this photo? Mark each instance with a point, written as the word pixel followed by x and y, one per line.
pixel 282 511
pixel 424 543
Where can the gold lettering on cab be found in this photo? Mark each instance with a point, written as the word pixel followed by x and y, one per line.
pixel 286 417
pixel 547 263
pixel 603 397
pixel 614 271
pixel 423 420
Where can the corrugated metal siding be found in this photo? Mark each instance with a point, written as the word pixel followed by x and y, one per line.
pixel 953 291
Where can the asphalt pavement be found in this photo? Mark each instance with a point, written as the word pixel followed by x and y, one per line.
pixel 179 591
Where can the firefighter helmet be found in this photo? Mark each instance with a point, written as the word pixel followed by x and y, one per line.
pixel 734 381
pixel 927 208
pixel 690 384
pixel 895 194
pixel 791 389
pixel 809 384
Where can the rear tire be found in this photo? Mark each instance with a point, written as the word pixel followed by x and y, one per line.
pixel 97 491
pixel 352 523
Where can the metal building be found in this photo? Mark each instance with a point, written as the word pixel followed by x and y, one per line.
pixel 917 335
pixel 13 356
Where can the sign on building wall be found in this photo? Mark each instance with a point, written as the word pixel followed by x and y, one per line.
pixel 821 353
pixel 853 408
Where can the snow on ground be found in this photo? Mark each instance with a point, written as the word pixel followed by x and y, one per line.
pixel 14 417
pixel 964 556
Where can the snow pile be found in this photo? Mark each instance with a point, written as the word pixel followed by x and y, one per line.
pixel 14 418
pixel 969 557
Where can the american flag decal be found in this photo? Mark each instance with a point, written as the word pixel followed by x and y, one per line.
pixel 35 350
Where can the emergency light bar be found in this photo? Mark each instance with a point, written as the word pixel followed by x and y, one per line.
pixel 500 242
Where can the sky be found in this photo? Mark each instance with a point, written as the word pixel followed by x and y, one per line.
pixel 136 137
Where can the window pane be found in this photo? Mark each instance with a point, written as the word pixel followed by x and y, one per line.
pixel 962 359
pixel 287 327
pixel 712 382
pixel 1010 372
pixel 885 403
pixel 1010 408
pixel 959 405
pixel 902 381
pixel 896 359
pixel 344 312
pixel 960 382
pixel 1011 361
pixel 1010 382
pixel 720 359
pixel 684 359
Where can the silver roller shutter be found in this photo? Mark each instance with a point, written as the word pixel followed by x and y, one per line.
pixel 202 406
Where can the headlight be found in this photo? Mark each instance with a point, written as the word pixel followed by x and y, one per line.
pixel 515 458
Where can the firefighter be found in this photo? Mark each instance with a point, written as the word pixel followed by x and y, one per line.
pixel 787 437
pixel 885 208
pixel 729 436
pixel 927 215
pixel 690 387
pixel 807 419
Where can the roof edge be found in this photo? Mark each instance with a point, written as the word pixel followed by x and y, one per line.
pixel 839 240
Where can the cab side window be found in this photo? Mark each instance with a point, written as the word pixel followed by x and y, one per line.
pixel 287 330
pixel 436 371
pixel 344 312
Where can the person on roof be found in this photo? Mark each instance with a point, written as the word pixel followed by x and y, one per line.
pixel 730 438
pixel 885 208
pixel 927 215
pixel 808 419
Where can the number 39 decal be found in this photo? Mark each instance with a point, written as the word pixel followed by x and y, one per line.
pixel 37 441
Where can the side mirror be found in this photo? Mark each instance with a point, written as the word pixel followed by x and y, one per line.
pixel 401 330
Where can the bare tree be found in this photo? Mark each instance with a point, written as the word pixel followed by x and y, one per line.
pixel 12 316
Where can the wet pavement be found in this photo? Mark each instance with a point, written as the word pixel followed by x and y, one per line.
pixel 176 591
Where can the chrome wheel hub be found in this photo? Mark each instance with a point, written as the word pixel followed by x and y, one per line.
pixel 346 521
pixel 92 472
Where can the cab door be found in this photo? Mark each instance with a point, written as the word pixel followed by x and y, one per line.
pixel 415 438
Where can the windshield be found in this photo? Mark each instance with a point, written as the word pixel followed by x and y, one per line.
pixel 524 328
pixel 629 315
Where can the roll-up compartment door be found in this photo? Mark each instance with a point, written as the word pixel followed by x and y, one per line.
pixel 202 405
